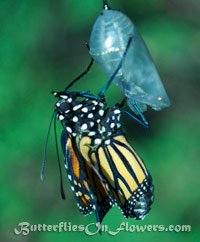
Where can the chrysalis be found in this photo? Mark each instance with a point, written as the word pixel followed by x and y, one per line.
pixel 137 78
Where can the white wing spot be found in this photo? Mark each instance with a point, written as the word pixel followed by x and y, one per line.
pixel 118 125
pixel 85 110
pixel 97 141
pixel 101 104
pixel 69 129
pixel 61 117
pixel 117 111
pixel 90 115
pixel 95 102
pixel 101 112
pixel 75 119
pixel 92 133
pixel 91 124
pixel 103 129
pixel 84 127
pixel 69 100
pixel 112 125
pixel 77 107
pixel 64 96
pixel 107 142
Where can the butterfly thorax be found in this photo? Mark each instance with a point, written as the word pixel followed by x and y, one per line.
pixel 82 116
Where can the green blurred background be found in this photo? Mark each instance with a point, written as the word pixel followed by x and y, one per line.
pixel 42 48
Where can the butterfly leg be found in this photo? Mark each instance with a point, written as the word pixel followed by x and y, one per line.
pixel 104 89
pixel 130 115
pixel 87 95
pixel 143 122
pixel 81 75
pixel 139 112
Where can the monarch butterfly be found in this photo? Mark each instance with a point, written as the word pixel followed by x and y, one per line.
pixel 102 167
pixel 137 77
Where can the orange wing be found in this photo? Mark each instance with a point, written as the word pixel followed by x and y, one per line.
pixel 104 200
pixel 77 177
pixel 125 173
pixel 90 191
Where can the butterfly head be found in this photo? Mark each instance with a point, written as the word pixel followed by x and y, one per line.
pixel 64 103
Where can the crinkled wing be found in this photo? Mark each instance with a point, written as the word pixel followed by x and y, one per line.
pixel 90 191
pixel 124 172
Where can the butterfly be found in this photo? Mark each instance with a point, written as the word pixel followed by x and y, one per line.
pixel 102 167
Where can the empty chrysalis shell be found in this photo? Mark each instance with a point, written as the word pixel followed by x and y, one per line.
pixel 137 78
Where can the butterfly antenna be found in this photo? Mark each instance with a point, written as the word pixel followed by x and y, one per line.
pixel 42 172
pixel 59 164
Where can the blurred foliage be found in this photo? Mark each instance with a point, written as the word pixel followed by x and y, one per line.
pixel 42 48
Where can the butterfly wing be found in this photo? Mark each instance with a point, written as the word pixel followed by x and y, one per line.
pixel 125 173
pixel 90 191
pixel 136 190
pixel 77 176
pixel 104 200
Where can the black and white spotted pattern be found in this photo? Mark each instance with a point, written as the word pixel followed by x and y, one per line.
pixel 139 204
pixel 82 116
pixel 87 117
